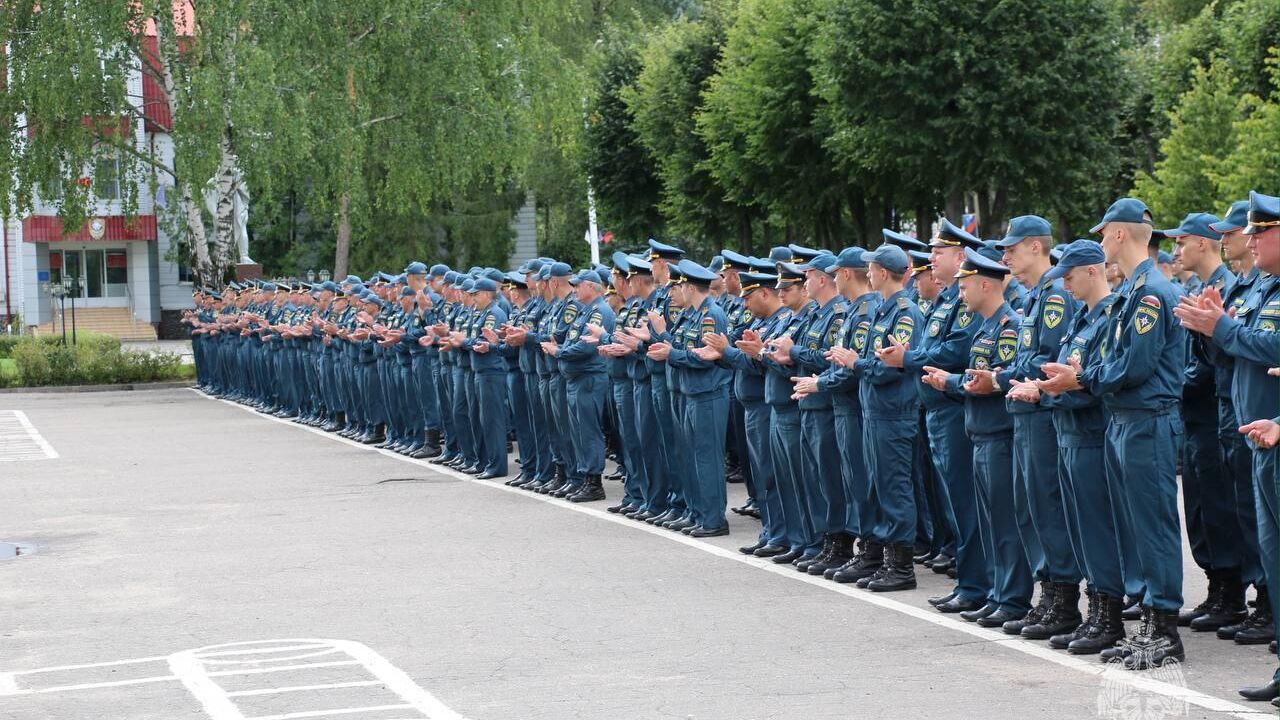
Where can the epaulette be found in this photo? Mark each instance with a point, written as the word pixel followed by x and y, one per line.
pixel 904 303
pixel 1142 279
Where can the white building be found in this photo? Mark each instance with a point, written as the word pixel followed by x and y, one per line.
pixel 126 284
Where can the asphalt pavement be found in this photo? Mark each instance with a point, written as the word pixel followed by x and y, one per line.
pixel 186 558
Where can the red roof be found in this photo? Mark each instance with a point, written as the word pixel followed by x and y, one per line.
pixel 154 107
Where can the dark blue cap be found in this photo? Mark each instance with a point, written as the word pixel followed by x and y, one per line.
pixel 585 276
pixel 606 277
pixel 675 276
pixel 1055 253
pixel 1077 254
pixel 696 274
pixel 852 257
pixel 1264 213
pixel 439 270
pixel 415 268
pixel 1237 218
pixel 735 261
pixel 951 235
pixel 716 264
pixel 1198 224
pixel 534 265
pixel 664 251
pixel 638 266
pixel 621 262
pixel 494 274
pixel 1125 210
pixel 371 299
pixel 486 284
pixel 975 263
pixel 1023 227
pixel 1164 258
pixel 789 274
pixel 469 285
pixel 890 257
pixel 451 276
pixel 991 251
pixel 906 242
pixel 822 262
pixel 763 266
pixel 352 280
pixel 518 279
pixel 560 270
pixel 407 291
pixel 329 285
pixel 781 253
pixel 269 287
pixel 545 272
pixel 801 252
pixel 920 261
pixel 755 281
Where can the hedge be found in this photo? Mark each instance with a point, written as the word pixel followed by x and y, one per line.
pixel 99 361
pixel 9 342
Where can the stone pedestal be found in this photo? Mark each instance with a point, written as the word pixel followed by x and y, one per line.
pixel 248 271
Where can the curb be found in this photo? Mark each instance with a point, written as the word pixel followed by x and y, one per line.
pixel 56 389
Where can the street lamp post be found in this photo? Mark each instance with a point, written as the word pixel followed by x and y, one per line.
pixel 59 293
pixel 324 276
pixel 311 277
pixel 70 286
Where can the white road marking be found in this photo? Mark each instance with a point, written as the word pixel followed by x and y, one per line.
pixel 1094 668
pixel 19 439
pixel 301 688
pixel 326 713
pixel 191 669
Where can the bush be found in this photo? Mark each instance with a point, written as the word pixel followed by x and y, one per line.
pixel 9 342
pixel 97 361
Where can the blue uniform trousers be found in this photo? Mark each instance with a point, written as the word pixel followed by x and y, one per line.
pixel 1038 499
pixel 860 498
pixel 705 423
pixel 1209 506
pixel 662 435
pixel 461 419
pixel 562 431
pixel 952 453
pixel 1268 501
pixel 788 462
pixel 1238 467
pixel 682 474
pixel 889 449
pixel 756 419
pixel 649 452
pixel 993 476
pixel 624 401
pixel 1142 453
pixel 824 488
pixel 491 410
pixel 538 421
pixel 586 400
pixel 1090 517
pixel 521 412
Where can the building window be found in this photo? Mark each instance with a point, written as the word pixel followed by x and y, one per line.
pixel 51 190
pixel 184 273
pixel 106 177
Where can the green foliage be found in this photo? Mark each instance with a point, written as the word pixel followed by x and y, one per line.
pixel 90 363
pixel 95 340
pixel 1254 162
pixel 1194 150
pixel 679 61
pixel 761 121
pixel 623 173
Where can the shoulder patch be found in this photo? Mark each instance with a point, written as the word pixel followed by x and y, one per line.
pixel 964 317
pixel 1147 314
pixel 904 303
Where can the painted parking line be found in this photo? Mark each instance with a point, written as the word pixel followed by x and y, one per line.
pixel 201 672
pixel 1109 676
pixel 19 439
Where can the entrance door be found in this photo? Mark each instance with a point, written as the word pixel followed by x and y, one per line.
pixel 101 276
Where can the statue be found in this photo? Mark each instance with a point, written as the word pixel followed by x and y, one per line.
pixel 239 210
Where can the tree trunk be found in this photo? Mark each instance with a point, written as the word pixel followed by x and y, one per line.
pixel 223 225
pixel 744 233
pixel 343 247
pixel 955 206
pixel 197 242
pixel 924 223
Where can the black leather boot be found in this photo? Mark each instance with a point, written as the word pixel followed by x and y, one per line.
pixel 1229 607
pixel 1263 693
pixel 1186 615
pixel 828 547
pixel 900 570
pixel 1037 612
pixel 841 552
pixel 1062 640
pixel 592 490
pixel 1163 644
pixel 556 483
pixel 1063 614
pixel 1142 638
pixel 864 566
pixel 1105 632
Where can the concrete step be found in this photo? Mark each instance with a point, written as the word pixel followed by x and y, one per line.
pixel 107 321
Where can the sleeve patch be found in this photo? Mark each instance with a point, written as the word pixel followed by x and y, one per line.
pixel 1150 301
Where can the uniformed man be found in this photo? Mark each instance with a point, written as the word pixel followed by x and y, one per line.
pixel 1080 423
pixel 945 344
pixel 1251 337
pixel 1212 528
pixel 990 428
pixel 805 352
pixel 1047 310
pixel 1140 382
